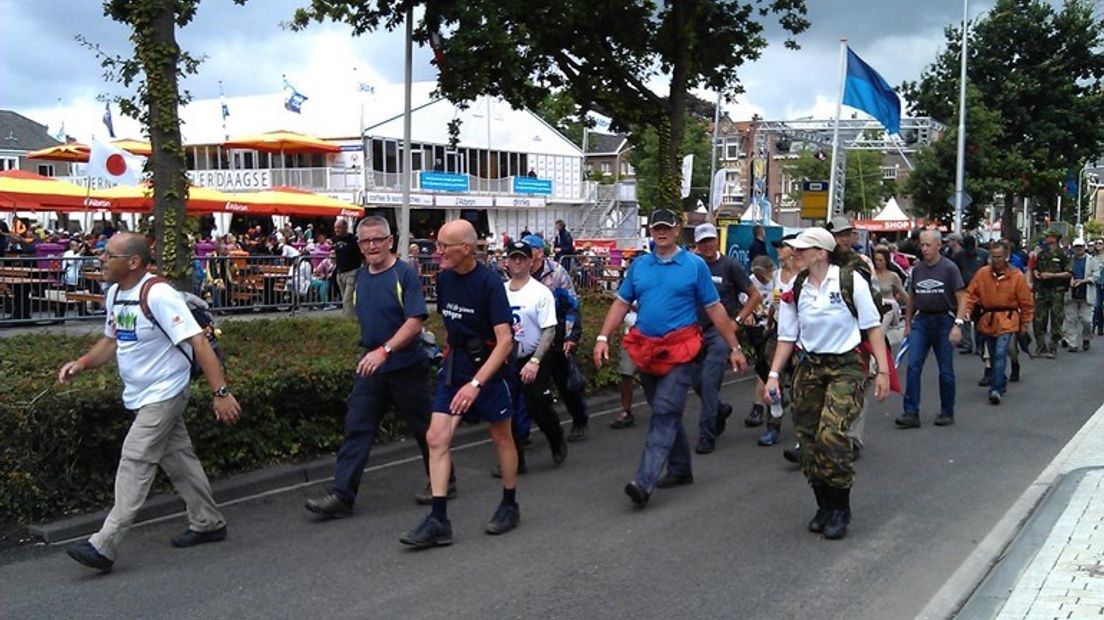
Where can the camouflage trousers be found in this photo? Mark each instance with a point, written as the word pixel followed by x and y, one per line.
pixel 827 398
pixel 1049 309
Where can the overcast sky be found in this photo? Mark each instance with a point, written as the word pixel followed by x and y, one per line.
pixel 247 50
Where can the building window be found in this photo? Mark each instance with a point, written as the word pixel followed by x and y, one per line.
pixel 9 163
pixel 732 148
pixel 889 173
pixel 606 168
pixel 46 170
pixel 627 169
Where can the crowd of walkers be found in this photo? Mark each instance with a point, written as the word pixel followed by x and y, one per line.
pixel 818 329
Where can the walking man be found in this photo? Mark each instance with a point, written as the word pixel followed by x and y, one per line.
pixel 1051 276
pixel 349 259
pixel 153 338
pixel 730 280
pixel 1004 299
pixel 1082 296
pixel 669 286
pixel 936 302
pixel 472 380
pixel 393 371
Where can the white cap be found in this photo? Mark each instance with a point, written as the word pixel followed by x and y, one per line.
pixel 705 231
pixel 814 238
pixel 1078 241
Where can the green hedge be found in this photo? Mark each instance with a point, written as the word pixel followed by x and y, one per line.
pixel 59 444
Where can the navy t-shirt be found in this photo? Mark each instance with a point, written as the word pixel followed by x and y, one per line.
pixel 471 305
pixel 384 301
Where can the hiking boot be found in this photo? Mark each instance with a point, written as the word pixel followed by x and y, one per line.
pixel 577 433
pixel 793 454
pixel 986 378
pixel 1014 376
pixel 637 493
pixel 770 436
pixel 671 480
pixel 705 446
pixel 835 525
pixel 755 417
pixel 944 420
pixel 506 517
pixel 191 538
pixel 907 421
pixel 816 524
pixel 86 554
pixel 432 532
pixel 330 506
pixel 559 453
pixel 425 497
pixel 724 411
pixel 1085 344
pixel 623 420
pixel 994 397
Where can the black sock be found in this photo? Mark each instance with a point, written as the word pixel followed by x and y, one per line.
pixel 440 508
pixel 509 496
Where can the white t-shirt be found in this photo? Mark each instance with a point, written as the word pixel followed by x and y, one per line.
pixel 152 368
pixel 824 324
pixel 533 308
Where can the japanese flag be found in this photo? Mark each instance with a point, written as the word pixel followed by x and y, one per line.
pixel 114 164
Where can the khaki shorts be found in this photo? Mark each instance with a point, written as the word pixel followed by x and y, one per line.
pixel 627 367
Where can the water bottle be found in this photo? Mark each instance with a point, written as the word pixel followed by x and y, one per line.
pixel 775 403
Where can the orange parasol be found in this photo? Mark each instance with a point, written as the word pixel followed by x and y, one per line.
pixel 73 151
pixel 295 201
pixel 139 199
pixel 137 147
pixel 22 190
pixel 284 142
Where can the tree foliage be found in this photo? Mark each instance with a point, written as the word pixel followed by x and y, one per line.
pixel 645 157
pixel 1036 73
pixel 605 54
pixel 864 191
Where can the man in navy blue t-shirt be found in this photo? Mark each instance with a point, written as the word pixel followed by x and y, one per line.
pixel 472 381
pixel 394 369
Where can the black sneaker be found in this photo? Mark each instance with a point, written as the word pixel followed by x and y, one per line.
pixel 191 538
pixel 559 453
pixel 86 554
pixel 907 421
pixel 755 417
pixel 724 412
pixel 994 397
pixel 1014 376
pixel 506 518
pixel 330 506
pixel 432 532
pixel 425 496
pixel 793 454
pixel 705 446
pixel 623 420
pixel 577 433
pixel 637 493
pixel 944 420
pixel 986 378
pixel 671 480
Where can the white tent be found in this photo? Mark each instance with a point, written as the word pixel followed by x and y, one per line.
pixel 754 215
pixel 891 212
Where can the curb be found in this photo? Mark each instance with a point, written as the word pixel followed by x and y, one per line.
pixel 269 479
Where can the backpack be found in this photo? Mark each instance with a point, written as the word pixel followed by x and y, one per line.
pixel 200 312
pixel 854 264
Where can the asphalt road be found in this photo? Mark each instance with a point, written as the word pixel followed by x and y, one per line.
pixel 732 545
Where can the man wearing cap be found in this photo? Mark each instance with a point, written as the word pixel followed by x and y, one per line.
pixel 730 280
pixel 1051 275
pixel 936 302
pixel 569 331
pixel 669 286
pixel 1082 296
pixel 534 324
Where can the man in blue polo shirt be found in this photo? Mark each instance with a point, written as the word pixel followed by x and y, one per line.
pixel 669 286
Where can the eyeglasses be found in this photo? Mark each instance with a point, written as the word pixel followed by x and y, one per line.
pixel 108 256
pixel 373 240
pixel 444 246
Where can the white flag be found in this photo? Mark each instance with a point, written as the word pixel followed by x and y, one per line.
pixel 601 123
pixel 718 187
pixel 687 170
pixel 114 164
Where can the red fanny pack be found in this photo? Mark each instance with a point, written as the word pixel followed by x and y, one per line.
pixel 657 356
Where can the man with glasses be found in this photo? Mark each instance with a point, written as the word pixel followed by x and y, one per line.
pixel 472 381
pixel 393 371
pixel 154 357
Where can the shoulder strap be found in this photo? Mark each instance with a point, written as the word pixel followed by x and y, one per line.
pixel 143 303
pixel 798 283
pixel 847 288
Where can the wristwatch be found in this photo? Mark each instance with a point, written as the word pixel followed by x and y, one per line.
pixel 387 348
pixel 475 383
pixel 222 392
pixel 960 322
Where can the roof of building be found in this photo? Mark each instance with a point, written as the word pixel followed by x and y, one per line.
pixel 605 143
pixel 19 133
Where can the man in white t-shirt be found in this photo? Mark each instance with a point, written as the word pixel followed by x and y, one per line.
pixel 154 360
pixel 534 324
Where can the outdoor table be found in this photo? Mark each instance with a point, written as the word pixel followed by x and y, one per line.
pixel 21 289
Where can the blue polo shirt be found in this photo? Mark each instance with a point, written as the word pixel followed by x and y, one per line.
pixel 668 292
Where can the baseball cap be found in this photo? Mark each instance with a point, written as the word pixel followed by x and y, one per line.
pixel 534 242
pixel 953 237
pixel 705 231
pixel 663 217
pixel 814 238
pixel 839 224
pixel 519 247
pixel 1080 242
pixel 784 240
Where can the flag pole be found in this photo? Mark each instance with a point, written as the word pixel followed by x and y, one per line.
pixel 960 164
pixel 835 127
pixel 404 211
pixel 713 151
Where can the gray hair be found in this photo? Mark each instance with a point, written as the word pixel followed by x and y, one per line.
pixel 932 235
pixel 374 221
pixel 135 245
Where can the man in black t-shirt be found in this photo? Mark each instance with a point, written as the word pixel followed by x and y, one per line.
pixel 349 259
pixel 472 381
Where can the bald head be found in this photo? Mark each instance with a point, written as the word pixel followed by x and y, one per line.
pixel 131 244
pixel 458 231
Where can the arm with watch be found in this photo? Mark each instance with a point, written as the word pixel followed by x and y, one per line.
pixel 227 409
pixel 373 360
pixel 532 367
pixel 955 336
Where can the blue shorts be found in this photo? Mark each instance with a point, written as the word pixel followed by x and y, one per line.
pixel 494 403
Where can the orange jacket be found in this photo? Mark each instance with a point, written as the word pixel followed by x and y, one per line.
pixel 1004 301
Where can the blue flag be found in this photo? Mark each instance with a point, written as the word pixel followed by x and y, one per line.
pixel 866 90
pixel 225 111
pixel 293 99
pixel 107 119
pixel 1071 184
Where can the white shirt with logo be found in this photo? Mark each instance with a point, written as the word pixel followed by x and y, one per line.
pixel 153 369
pixel 533 308
pixel 823 323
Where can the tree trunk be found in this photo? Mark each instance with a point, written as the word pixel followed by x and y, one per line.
pixel 159 55
pixel 1009 230
pixel 670 185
